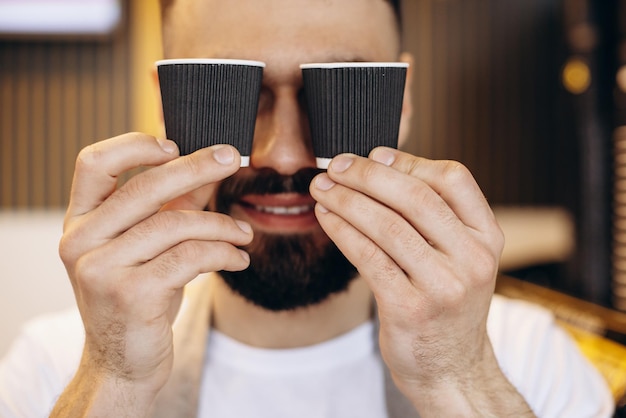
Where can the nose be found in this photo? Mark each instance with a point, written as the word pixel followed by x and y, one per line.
pixel 282 140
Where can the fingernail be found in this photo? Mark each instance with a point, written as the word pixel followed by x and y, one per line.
pixel 323 182
pixel 321 208
pixel 341 163
pixel 244 226
pixel 245 255
pixel 224 154
pixel 384 156
pixel 166 145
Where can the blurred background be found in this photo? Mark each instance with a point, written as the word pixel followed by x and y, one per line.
pixel 529 94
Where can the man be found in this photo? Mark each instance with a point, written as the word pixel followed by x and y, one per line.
pixel 291 321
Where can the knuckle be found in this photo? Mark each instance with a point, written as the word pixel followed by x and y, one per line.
pixel 141 185
pixel 412 166
pixel 454 294
pixel 419 196
pixel 170 221
pixel 72 245
pixel 86 270
pixel 423 199
pixel 96 282
pixel 351 201
pixel 92 277
pixel 378 264
pixel 385 276
pixel 67 249
pixel 88 158
pixel 421 251
pixel 193 164
pixel 394 229
pixel 139 136
pixel 370 253
pixel 399 231
pixel 196 257
pixel 370 171
pixel 180 258
pixel 170 263
pixel 484 264
pixel 220 221
pixel 454 173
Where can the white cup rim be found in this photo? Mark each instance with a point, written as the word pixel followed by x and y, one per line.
pixel 355 64
pixel 172 61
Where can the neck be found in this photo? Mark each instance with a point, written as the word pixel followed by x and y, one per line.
pixel 250 324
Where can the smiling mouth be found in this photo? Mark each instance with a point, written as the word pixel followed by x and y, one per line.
pixel 283 210
pixel 282 213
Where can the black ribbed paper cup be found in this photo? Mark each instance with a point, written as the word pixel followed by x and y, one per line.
pixel 353 106
pixel 210 101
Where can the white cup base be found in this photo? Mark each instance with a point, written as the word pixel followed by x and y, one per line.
pixel 322 162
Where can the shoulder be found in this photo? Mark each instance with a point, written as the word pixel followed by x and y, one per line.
pixel 40 363
pixel 543 361
pixel 66 323
pixel 513 316
pixel 58 336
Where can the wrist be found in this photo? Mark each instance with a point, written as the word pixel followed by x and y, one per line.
pixel 96 390
pixel 133 398
pixel 479 390
pixel 474 399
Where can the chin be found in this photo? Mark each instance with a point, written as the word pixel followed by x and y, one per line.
pixel 291 271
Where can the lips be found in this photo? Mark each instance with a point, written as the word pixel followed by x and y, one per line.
pixel 284 212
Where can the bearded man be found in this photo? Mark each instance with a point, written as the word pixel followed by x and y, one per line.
pixel 277 290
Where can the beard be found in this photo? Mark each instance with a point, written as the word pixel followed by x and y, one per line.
pixel 287 271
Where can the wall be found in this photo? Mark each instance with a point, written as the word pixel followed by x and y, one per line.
pixel 55 98
pixel 32 275
pixel 486 92
pixel 487 84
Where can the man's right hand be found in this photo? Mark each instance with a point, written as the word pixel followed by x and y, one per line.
pixel 129 251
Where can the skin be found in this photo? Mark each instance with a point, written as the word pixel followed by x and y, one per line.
pixel 430 260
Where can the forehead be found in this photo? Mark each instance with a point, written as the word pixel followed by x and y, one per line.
pixel 293 31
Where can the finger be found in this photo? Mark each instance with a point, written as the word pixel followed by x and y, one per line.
pixel 450 179
pixel 157 281
pixel 413 199
pixel 384 277
pixel 195 200
pixel 166 229
pixel 391 233
pixel 398 265
pixel 185 261
pixel 99 165
pixel 145 194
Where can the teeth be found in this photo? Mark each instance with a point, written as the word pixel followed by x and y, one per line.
pixel 284 210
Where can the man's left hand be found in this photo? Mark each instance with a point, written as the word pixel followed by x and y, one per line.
pixel 424 238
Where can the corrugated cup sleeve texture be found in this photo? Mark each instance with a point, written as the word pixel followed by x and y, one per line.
pixel 208 104
pixel 353 109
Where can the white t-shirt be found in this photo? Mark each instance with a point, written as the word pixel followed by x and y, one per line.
pixel 339 378
pixel 539 359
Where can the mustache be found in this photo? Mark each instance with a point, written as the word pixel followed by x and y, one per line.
pixel 265 181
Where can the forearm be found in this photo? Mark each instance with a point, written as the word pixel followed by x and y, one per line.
pixel 94 392
pixel 483 391
pixel 501 401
